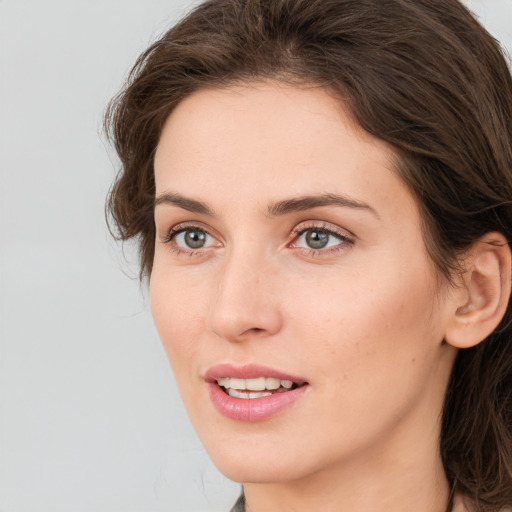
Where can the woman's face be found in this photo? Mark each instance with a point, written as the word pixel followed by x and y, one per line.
pixel 287 249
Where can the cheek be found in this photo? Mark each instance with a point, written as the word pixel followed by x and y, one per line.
pixel 371 350
pixel 178 312
pixel 368 323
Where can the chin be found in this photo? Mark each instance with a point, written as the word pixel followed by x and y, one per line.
pixel 244 473
pixel 260 466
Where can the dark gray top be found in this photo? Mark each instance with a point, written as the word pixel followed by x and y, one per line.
pixel 239 506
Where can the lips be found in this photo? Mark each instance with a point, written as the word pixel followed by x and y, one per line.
pixel 252 393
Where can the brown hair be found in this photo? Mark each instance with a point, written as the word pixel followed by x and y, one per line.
pixel 422 75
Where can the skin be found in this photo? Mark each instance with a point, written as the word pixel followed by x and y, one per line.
pixel 362 320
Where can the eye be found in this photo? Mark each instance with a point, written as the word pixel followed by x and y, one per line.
pixel 189 238
pixel 192 238
pixel 320 238
pixel 316 239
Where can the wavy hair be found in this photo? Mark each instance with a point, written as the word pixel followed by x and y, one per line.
pixel 422 75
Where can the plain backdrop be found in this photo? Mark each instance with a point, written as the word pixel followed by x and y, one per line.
pixel 90 419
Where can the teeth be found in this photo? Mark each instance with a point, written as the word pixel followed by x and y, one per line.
pixel 271 383
pixel 258 384
pixel 238 384
pixel 255 384
pixel 223 382
pixel 286 384
pixel 238 394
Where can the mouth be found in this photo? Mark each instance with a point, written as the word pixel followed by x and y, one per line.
pixel 259 387
pixel 253 393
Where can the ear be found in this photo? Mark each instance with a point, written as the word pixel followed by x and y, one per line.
pixel 481 301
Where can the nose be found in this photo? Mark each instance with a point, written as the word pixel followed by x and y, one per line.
pixel 246 303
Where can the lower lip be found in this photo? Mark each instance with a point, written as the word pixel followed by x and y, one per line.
pixel 252 409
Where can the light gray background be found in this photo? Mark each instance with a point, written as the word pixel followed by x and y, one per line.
pixel 90 419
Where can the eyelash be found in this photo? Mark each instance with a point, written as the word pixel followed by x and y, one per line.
pixel 344 238
pixel 182 228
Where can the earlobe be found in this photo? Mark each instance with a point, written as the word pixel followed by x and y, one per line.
pixel 480 304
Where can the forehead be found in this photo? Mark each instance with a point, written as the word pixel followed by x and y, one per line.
pixel 268 138
pixel 258 112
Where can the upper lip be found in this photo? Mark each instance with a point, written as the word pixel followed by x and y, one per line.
pixel 249 371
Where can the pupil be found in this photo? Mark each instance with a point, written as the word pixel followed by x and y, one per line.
pixel 317 239
pixel 195 239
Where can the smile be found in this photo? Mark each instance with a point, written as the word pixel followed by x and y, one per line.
pixel 254 388
pixel 252 393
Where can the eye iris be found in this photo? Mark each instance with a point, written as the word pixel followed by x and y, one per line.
pixel 195 239
pixel 317 239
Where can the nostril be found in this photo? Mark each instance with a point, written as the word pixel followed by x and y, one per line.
pixel 254 330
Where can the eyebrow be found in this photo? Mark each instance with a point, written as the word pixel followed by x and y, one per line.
pixel 296 204
pixel 308 202
pixel 191 205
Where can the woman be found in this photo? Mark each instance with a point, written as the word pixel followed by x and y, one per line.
pixel 322 194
